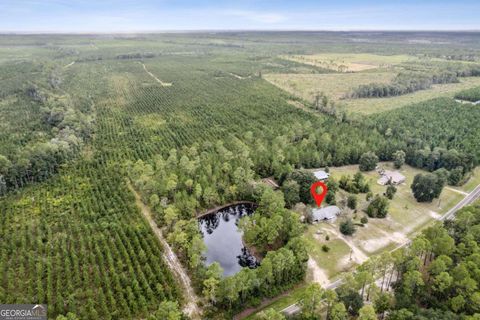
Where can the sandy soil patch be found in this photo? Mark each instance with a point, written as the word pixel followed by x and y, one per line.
pixel 319 275
pixel 434 215
pixel 346 263
pixel 457 191
pixel 374 244
pixel 357 255
pixel 238 76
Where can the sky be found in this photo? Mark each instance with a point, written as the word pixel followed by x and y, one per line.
pixel 63 16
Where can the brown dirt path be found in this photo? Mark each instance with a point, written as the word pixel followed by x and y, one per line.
pixel 191 308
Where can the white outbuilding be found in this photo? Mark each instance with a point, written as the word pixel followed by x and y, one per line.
pixel 321 175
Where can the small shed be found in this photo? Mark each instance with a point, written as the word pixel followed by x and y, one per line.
pixel 326 213
pixel 393 177
pixel 321 175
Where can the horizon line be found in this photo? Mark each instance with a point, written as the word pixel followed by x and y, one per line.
pixel 30 32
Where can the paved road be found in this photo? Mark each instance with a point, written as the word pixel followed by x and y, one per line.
pixel 471 197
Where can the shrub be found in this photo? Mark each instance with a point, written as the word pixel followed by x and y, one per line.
pixel 368 161
pixel 325 248
pixel 330 197
pixel 391 190
pixel 369 196
pixel 352 202
pixel 347 227
pixel 364 220
pixel 378 208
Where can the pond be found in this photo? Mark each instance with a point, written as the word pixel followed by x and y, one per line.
pixel 224 240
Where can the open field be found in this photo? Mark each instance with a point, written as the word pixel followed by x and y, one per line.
pixel 344 62
pixel 334 261
pixel 373 105
pixel 336 85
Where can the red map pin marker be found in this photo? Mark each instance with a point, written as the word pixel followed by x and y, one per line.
pixel 318 196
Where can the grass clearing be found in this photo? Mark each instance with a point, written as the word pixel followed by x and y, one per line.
pixel 350 62
pixel 334 85
pixel 374 105
pixel 328 261
pixel 405 218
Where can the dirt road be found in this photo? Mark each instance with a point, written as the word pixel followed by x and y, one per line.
pixel 164 84
pixel 191 308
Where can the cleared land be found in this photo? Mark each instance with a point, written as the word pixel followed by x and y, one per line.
pixel 405 217
pixel 335 86
pixel 368 106
pixel 341 62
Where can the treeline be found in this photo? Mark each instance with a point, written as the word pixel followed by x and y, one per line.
pixel 438 274
pixel 404 83
pixel 137 55
pixel 472 94
pixel 417 77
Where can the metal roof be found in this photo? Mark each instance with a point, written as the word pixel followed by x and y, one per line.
pixel 321 175
pixel 325 213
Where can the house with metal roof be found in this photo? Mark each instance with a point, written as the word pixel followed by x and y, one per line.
pixel 321 175
pixel 325 214
pixel 394 177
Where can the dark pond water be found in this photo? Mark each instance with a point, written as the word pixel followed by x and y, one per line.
pixel 224 240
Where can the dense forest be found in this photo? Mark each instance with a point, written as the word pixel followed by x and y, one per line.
pixel 44 127
pixel 439 133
